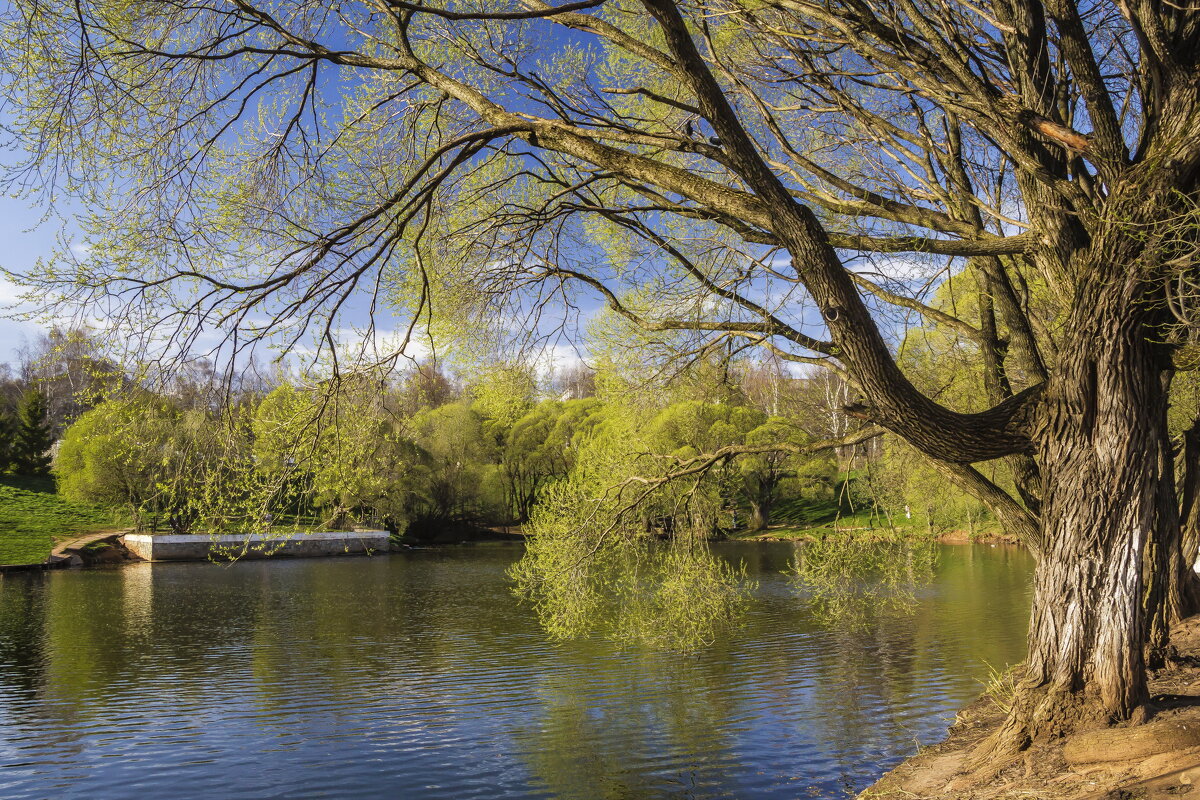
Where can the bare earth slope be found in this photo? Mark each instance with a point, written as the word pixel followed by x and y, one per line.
pixel 1158 759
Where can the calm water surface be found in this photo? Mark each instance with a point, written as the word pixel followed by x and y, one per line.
pixel 415 675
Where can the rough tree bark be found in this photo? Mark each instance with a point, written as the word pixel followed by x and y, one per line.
pixel 1163 604
pixel 1184 592
pixel 1099 447
pixel 759 516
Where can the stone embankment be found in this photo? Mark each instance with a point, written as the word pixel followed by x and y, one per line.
pixel 168 547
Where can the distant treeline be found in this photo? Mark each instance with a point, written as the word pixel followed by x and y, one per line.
pixel 428 453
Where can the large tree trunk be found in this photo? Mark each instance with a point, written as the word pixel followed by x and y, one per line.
pixel 1186 589
pixel 1099 442
pixel 1163 557
pixel 759 515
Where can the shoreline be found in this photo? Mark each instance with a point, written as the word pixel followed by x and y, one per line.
pixel 947 537
pixel 1156 760
pixel 105 548
pixel 71 551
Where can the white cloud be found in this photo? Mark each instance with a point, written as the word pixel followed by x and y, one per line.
pixel 10 295
pixel 379 342
pixel 556 358
pixel 905 267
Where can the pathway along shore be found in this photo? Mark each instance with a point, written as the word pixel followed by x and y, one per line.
pixel 1159 759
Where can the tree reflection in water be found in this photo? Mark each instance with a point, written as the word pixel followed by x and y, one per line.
pixel 850 582
pixel 417 675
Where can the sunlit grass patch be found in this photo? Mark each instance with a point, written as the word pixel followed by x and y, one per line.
pixel 33 517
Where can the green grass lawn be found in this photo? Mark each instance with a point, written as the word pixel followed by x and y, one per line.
pixel 796 518
pixel 802 517
pixel 33 517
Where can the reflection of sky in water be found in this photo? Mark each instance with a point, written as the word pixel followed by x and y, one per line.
pixel 416 676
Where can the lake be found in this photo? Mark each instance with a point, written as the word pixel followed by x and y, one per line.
pixel 417 675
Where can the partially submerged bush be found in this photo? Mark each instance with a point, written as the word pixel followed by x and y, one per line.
pixel 850 581
pixel 594 564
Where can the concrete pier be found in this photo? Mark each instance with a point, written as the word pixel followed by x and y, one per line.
pixel 171 547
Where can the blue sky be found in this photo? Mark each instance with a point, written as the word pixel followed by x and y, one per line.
pixel 27 235
pixel 30 234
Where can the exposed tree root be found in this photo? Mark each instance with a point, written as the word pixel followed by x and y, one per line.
pixel 1036 714
pixel 1055 745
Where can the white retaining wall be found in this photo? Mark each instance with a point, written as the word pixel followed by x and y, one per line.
pixel 171 547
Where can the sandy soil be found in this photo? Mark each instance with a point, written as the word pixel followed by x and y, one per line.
pixel 1159 759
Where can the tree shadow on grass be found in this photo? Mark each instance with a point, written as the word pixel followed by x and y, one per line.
pixel 43 484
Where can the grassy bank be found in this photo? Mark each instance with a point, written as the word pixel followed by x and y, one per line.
pixel 804 518
pixel 33 517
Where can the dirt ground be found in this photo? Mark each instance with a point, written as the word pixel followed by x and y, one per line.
pixel 1158 759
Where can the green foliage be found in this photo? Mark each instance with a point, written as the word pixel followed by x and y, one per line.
pixel 503 393
pixel 942 364
pixel 614 548
pixel 425 386
pixel 68 366
pixel 679 595
pixel 32 439
pixel 1184 409
pixel 343 450
pixel 594 564
pixel 638 367
pixel 755 480
pixel 851 581
pixel 456 479
pixel 183 468
pixel 541 447
pixel 108 455
pixel 216 482
pixel 131 452
pixel 8 444
pixel 909 486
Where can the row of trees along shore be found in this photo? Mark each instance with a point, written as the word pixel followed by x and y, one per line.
pixel 54 378
pixel 431 457
pixel 781 175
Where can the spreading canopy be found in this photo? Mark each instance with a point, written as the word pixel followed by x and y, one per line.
pixel 731 171
pixel 783 174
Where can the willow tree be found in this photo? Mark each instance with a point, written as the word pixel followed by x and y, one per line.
pixel 779 174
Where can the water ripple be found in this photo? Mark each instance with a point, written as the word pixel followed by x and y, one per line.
pixel 416 676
